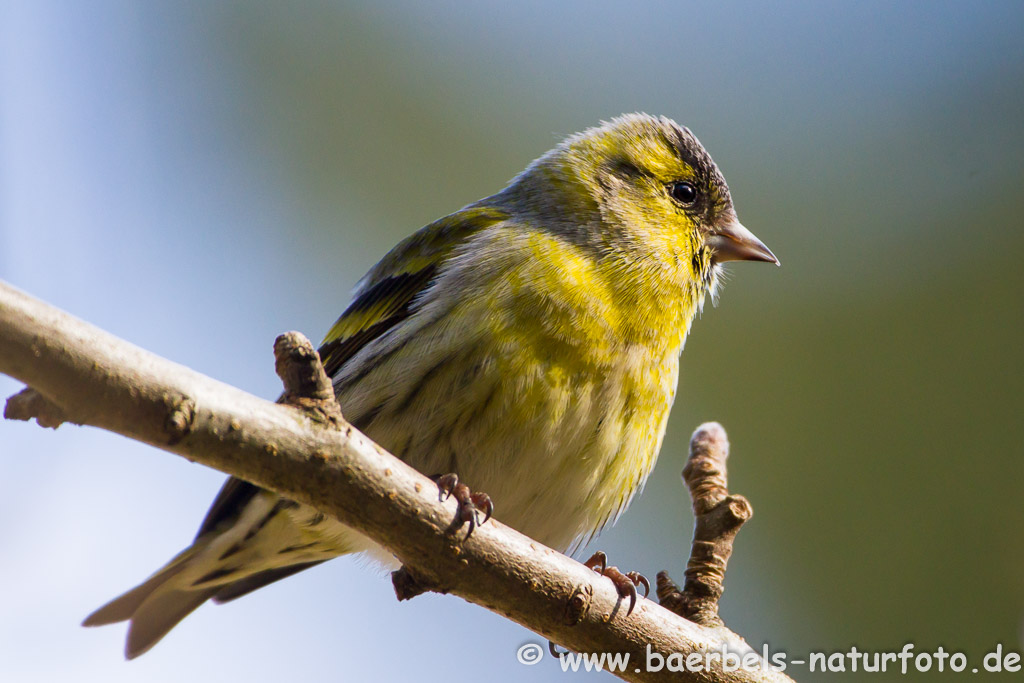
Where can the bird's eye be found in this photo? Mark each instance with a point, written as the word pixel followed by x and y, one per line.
pixel 684 193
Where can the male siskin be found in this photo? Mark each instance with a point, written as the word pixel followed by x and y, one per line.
pixel 528 343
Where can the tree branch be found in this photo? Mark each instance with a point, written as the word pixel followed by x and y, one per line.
pixel 80 374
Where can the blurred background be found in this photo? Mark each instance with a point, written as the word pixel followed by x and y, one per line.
pixel 199 177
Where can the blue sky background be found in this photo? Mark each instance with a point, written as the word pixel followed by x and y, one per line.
pixel 199 177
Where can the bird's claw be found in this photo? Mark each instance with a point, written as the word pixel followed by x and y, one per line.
pixel 625 584
pixel 639 579
pixel 470 504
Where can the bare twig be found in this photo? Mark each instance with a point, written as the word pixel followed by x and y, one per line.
pixel 95 379
pixel 306 385
pixel 718 517
pixel 29 403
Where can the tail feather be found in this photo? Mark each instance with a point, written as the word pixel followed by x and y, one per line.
pixel 158 614
pixel 265 541
pixel 124 606
pixel 155 606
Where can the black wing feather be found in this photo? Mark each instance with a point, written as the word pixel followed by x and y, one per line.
pixel 400 289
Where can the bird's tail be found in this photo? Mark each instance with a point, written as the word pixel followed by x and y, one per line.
pixel 255 545
pixel 158 604
pixel 153 607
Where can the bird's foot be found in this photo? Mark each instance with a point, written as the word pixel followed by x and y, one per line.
pixel 470 504
pixel 625 584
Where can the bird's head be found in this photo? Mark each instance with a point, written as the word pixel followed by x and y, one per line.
pixel 646 187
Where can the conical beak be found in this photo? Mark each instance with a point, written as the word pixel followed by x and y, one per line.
pixel 733 242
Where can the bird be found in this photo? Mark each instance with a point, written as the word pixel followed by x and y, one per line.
pixel 527 344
